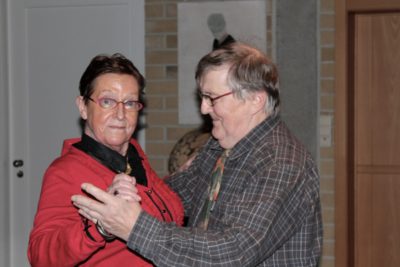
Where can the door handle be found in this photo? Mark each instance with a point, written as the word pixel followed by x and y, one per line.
pixel 18 163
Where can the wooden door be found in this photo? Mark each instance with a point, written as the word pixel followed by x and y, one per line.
pixel 368 134
pixel 377 139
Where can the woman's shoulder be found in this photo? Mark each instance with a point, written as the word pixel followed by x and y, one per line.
pixel 72 159
pixel 68 144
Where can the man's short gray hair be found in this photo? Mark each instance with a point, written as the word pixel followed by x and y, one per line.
pixel 250 70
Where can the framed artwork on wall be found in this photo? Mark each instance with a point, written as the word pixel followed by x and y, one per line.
pixel 204 26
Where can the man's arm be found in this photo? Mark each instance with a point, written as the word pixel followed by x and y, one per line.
pixel 256 228
pixel 268 214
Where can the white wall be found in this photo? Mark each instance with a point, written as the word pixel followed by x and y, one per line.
pixel 54 29
pixel 4 182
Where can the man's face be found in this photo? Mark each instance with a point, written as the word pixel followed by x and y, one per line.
pixel 231 117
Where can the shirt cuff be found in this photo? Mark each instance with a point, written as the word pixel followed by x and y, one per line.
pixel 145 234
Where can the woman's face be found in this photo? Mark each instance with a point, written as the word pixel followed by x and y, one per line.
pixel 112 127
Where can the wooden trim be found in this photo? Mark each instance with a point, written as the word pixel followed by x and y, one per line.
pixel 341 155
pixel 376 5
pixel 378 169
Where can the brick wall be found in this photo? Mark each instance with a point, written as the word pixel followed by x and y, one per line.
pixel 162 89
pixel 327 94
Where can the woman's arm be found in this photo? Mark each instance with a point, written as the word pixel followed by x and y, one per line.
pixel 58 237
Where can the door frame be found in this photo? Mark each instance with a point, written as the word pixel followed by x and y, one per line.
pixel 4 148
pixel 344 132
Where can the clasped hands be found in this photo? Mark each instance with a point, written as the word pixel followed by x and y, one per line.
pixel 117 209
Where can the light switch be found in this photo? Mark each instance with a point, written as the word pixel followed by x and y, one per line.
pixel 325 131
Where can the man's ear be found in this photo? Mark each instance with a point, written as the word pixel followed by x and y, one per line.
pixel 258 101
pixel 80 103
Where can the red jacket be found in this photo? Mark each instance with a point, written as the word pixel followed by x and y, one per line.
pixel 58 237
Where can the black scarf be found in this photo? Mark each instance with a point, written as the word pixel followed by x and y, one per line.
pixel 112 159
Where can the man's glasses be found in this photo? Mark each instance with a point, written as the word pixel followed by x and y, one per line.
pixel 110 103
pixel 211 100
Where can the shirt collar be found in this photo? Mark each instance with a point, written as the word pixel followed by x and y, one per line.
pixel 247 143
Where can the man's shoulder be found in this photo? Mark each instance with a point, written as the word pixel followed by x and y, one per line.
pixel 282 147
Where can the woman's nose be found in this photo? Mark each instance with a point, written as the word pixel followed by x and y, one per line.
pixel 120 110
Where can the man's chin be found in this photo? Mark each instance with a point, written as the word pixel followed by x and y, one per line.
pixel 214 133
pixel 217 136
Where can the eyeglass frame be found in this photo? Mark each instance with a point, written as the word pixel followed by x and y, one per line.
pixel 210 100
pixel 137 102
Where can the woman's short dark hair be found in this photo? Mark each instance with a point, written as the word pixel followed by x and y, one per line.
pixel 102 64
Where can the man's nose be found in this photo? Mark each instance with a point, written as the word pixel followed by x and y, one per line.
pixel 205 108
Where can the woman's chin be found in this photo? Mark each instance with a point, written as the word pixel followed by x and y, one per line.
pixel 116 144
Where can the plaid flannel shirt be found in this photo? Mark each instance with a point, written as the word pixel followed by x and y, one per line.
pixel 267 213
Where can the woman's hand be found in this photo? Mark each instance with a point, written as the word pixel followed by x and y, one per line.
pixel 124 186
pixel 187 164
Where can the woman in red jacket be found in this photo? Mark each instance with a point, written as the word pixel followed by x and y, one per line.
pixel 109 103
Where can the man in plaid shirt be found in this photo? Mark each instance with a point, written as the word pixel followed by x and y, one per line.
pixel 265 211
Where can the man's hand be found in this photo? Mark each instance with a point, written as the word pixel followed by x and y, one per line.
pixel 116 215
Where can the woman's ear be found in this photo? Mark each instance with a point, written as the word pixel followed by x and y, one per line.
pixel 80 103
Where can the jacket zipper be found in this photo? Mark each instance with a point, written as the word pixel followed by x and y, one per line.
pixel 165 206
pixel 148 192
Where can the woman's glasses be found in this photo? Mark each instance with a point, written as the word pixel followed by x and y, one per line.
pixel 110 103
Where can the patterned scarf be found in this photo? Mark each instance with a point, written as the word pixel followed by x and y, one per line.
pixel 213 191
